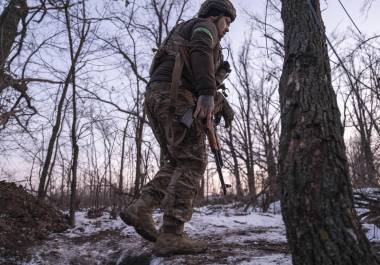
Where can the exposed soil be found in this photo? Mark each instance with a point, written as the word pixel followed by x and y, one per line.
pixel 24 220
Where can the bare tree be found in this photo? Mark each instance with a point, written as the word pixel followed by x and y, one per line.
pixel 243 123
pixel 364 99
pixel 321 223
pixel 266 128
pixel 146 22
pixel 74 58
pixel 232 154
pixel 83 30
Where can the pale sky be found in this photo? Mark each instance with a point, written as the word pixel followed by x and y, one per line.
pixel 334 16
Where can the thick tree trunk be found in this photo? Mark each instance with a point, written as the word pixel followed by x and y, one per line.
pixel 9 20
pixel 321 223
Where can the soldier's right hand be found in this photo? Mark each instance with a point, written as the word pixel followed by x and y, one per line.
pixel 204 109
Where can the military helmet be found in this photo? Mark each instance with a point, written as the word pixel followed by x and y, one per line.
pixel 224 6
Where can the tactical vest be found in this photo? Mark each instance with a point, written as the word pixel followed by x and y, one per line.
pixel 175 43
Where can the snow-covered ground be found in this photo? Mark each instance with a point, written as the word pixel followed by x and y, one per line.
pixel 234 237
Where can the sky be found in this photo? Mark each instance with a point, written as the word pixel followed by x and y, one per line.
pixel 335 18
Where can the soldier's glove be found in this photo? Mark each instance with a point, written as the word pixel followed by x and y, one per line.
pixel 223 109
pixel 227 113
pixel 227 66
pixel 222 73
pixel 205 108
pixel 228 116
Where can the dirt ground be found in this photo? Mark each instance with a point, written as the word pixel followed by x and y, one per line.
pixel 35 233
pixel 24 221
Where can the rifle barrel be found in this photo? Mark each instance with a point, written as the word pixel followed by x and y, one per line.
pixel 219 164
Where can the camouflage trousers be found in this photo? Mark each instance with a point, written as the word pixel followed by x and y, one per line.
pixel 183 152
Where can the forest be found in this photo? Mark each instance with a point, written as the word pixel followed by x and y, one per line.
pixel 301 157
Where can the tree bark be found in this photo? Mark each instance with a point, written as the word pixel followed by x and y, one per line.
pixel 138 141
pixel 122 159
pixel 271 167
pixel 13 13
pixel 75 154
pixel 73 136
pixel 317 205
pixel 9 20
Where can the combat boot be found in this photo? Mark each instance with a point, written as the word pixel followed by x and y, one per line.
pixel 173 240
pixel 170 244
pixel 139 215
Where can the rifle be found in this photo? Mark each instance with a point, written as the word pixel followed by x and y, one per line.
pixel 216 150
pixel 187 120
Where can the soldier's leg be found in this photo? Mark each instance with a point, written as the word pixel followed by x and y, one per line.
pixel 190 159
pixel 157 110
pixel 139 214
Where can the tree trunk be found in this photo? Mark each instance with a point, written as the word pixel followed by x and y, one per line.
pixel 121 174
pixel 74 139
pixel 75 150
pixel 274 194
pixel 9 20
pixel 251 180
pixel 236 172
pixel 53 138
pixel 321 224
pixel 138 141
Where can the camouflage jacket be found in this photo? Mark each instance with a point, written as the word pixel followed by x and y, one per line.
pixel 201 39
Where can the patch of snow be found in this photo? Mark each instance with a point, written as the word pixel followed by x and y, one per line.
pixel 204 220
pixel 275 207
pixel 372 232
pixel 85 226
pixel 236 235
pixel 157 261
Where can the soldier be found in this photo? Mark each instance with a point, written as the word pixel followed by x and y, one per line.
pixel 185 74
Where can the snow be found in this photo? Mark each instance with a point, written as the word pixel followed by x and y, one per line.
pixel 85 226
pixel 372 232
pixel 234 237
pixel 231 233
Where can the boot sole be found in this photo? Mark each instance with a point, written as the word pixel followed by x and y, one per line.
pixel 129 218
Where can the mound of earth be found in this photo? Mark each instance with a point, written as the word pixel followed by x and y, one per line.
pixel 24 220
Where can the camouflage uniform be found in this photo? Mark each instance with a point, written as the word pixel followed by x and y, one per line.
pixel 183 149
